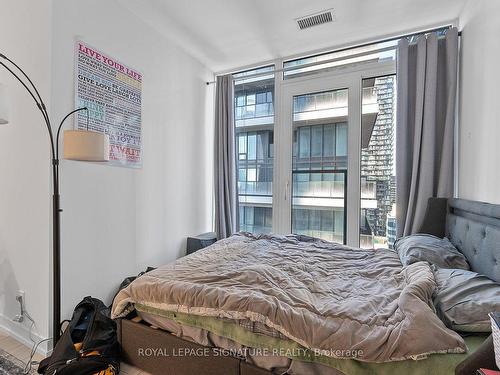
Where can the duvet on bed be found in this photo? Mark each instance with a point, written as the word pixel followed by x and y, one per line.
pixel 334 300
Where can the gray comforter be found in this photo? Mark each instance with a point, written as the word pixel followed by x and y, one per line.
pixel 330 298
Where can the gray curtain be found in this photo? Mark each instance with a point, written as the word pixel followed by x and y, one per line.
pixel 225 159
pixel 427 89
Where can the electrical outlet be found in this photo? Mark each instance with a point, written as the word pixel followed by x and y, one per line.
pixel 19 318
pixel 20 296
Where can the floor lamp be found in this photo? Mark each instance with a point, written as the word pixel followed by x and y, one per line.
pixel 81 145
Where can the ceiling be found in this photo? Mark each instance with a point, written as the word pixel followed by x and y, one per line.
pixel 227 34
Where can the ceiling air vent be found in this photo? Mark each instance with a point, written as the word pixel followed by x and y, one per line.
pixel 315 19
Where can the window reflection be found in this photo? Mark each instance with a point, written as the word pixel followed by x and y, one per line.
pixel 320 164
pixel 254 124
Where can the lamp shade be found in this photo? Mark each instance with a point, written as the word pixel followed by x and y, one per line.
pixel 4 105
pixel 86 145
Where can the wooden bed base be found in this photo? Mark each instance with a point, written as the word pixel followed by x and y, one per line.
pixel 136 337
pixel 161 353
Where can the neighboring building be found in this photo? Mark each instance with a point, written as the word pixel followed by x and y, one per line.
pixel 319 164
pixel 377 158
pixel 391 230
pixel 254 124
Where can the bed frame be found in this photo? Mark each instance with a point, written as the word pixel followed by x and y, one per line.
pixel 163 355
pixel 473 227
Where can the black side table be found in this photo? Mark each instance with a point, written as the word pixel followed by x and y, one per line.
pixel 200 241
pixel 483 357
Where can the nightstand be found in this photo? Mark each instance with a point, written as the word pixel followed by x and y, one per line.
pixel 482 358
pixel 200 241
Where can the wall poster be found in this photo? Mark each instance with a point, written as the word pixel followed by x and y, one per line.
pixel 111 91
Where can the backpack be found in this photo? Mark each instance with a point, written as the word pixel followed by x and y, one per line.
pixel 88 346
pixel 125 283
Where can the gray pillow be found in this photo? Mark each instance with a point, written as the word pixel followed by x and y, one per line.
pixel 434 250
pixel 463 299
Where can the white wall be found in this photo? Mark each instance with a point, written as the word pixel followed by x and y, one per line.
pixel 116 220
pixel 479 111
pixel 24 168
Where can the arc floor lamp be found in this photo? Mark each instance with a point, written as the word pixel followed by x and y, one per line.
pixel 84 145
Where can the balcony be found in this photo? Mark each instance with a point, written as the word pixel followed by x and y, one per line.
pixel 317 194
pixel 254 111
pixel 319 106
pixel 337 237
pixel 325 105
pixel 255 188
pixel 312 194
pixel 254 115
pixel 255 228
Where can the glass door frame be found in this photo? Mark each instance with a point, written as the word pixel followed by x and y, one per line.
pixel 346 78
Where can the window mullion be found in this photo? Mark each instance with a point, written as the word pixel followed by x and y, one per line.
pixel 282 165
pixel 353 160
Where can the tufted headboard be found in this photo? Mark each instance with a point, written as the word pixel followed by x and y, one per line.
pixel 474 229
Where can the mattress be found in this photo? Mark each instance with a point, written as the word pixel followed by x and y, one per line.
pixel 258 353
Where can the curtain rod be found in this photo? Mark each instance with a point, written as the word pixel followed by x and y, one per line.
pixel 391 39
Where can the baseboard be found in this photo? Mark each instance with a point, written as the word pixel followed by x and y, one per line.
pixel 22 334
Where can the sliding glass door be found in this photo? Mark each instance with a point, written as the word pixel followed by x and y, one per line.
pixel 318 125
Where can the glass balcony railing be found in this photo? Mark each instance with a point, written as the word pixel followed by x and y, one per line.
pixel 368 190
pixel 319 206
pixel 326 235
pixel 319 189
pixel 255 188
pixel 369 95
pixel 331 104
pixel 320 101
pixel 334 103
pixel 254 111
pixel 331 189
pixel 255 228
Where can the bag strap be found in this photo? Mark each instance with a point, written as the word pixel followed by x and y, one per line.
pixel 42 366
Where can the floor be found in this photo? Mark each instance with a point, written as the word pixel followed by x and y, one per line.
pixel 22 352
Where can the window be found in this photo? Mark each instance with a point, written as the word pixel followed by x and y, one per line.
pixel 316 141
pixel 332 171
pixel 329 140
pixel 341 140
pixel 255 219
pixel 323 146
pixel 319 164
pixel 378 52
pixel 254 124
pixel 378 174
pixel 327 169
pixel 304 142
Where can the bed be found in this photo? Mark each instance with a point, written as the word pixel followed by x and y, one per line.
pixel 254 305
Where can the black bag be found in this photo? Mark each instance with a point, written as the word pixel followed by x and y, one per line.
pixel 125 283
pixel 89 344
pixel 128 280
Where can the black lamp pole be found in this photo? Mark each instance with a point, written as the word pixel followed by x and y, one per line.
pixel 56 205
